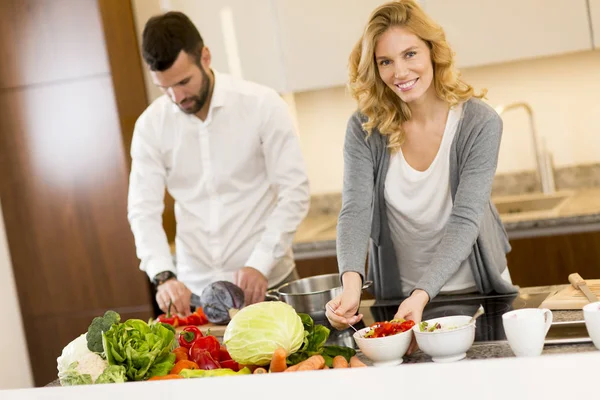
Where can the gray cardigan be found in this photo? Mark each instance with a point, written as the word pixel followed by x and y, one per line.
pixel 473 229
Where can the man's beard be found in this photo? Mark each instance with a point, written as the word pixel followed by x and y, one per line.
pixel 200 99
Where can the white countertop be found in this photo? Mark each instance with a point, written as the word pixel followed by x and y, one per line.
pixel 547 377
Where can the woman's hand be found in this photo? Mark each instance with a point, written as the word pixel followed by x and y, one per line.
pixel 341 310
pixel 412 308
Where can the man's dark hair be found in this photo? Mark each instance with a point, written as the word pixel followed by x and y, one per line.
pixel 165 36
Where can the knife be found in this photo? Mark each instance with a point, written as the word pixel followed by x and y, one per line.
pixel 579 283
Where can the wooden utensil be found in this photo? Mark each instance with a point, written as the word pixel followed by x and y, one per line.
pixel 578 282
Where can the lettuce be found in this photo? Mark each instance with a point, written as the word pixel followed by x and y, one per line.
pixel 315 337
pixel 142 349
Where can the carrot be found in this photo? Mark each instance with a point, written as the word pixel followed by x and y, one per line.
pixel 312 363
pixel 292 368
pixel 326 366
pixel 340 362
pixel 181 353
pixel 260 370
pixel 278 363
pixel 183 364
pixel 165 377
pixel 356 363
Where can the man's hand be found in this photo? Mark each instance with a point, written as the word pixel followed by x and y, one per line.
pixel 412 308
pixel 253 283
pixel 176 292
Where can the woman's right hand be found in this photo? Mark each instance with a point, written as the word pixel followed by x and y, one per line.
pixel 341 310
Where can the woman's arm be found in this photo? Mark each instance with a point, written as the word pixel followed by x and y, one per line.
pixel 354 225
pixel 354 222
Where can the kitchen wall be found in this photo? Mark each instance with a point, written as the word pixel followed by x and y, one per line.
pixel 562 91
pixel 15 369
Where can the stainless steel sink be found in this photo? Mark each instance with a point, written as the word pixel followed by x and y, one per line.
pixel 537 204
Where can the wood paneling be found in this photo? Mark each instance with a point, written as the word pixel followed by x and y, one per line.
pixel 63 175
pixel 128 80
pixel 549 260
pixel 126 67
pixel 50 40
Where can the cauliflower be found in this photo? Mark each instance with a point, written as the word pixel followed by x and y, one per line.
pixel 77 361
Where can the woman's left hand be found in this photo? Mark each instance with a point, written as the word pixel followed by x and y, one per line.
pixel 412 309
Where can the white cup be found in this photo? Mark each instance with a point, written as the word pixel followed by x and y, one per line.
pixel 591 314
pixel 526 330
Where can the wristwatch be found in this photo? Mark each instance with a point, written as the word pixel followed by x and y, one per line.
pixel 162 277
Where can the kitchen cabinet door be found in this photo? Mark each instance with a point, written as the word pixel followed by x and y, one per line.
pixel 595 21
pixel 490 31
pixel 317 37
pixel 242 36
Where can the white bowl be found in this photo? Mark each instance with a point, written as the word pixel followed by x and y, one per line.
pixel 447 346
pixel 384 351
pixel 591 314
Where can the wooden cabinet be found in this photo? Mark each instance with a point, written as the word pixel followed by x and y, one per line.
pixel 63 180
pixel 490 31
pixel 595 21
pixel 549 260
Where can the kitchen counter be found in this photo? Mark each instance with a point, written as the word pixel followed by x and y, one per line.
pixel 486 365
pixel 316 235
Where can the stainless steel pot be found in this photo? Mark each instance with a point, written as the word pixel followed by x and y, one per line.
pixel 310 295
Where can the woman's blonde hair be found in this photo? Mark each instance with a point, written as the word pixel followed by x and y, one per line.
pixel 383 108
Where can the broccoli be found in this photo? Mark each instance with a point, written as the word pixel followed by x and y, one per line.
pixel 99 325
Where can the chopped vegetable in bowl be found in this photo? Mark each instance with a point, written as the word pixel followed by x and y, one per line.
pixel 389 328
pixel 426 327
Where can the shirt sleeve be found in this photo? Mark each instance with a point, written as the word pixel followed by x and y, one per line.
pixel 287 174
pixel 471 199
pixel 145 203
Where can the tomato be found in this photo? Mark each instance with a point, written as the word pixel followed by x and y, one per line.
pixel 389 328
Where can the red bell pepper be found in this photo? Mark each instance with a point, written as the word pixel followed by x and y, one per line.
pixel 224 354
pixel 230 364
pixel 203 358
pixel 169 318
pixel 207 343
pixel 194 319
pixel 200 312
pixel 188 336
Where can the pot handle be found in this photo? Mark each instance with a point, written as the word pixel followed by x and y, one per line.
pixel 272 295
pixel 367 285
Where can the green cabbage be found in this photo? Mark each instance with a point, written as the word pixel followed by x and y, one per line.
pixel 256 331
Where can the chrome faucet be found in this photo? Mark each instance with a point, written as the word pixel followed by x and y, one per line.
pixel 545 170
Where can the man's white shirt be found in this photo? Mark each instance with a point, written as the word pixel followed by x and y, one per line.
pixel 238 180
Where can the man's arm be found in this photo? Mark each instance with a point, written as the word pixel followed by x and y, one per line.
pixel 287 173
pixel 146 201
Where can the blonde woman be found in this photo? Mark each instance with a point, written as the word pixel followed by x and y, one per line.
pixel 419 159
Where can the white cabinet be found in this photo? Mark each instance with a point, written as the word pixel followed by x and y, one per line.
pixel 595 21
pixel 242 36
pixel 490 31
pixel 299 45
pixel 317 37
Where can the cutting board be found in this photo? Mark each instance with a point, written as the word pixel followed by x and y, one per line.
pixel 215 330
pixel 570 298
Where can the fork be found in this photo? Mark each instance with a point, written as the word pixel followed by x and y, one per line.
pixel 331 309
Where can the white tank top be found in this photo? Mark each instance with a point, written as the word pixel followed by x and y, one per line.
pixel 418 206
